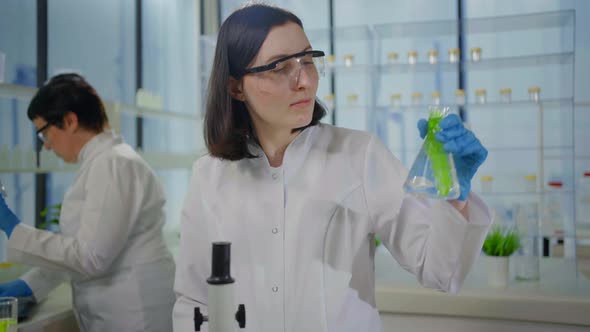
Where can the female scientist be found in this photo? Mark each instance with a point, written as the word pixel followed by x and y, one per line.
pixel 301 201
pixel 111 245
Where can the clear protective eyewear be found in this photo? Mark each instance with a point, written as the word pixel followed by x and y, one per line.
pixel 41 132
pixel 288 69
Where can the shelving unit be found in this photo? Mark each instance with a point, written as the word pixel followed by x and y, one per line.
pixel 22 160
pixel 518 51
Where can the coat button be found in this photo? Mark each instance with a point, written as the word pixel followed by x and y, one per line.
pixel 275 176
pixel 275 289
pixel 275 230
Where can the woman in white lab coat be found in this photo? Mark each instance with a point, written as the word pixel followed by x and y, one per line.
pixel 301 202
pixel 111 245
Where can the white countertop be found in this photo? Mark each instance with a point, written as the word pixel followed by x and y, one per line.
pixel 559 297
pixel 57 306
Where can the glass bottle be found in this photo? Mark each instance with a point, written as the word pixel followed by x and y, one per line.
pixel 396 99
pixel 583 195
pixel 486 183
pixel 348 60
pixel 392 58
pixel 412 57
pixel 432 56
pixel 436 98
pixel 506 95
pixel 475 54
pixel 352 100
pixel 527 262
pixel 416 98
pixel 433 172
pixel 480 96
pixel 454 55
pixel 330 60
pixel 530 183
pixel 535 94
pixel 460 97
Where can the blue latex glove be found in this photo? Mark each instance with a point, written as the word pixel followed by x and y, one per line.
pixel 7 219
pixel 16 288
pixel 468 153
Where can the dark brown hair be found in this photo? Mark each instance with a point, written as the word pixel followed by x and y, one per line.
pixel 228 126
pixel 69 93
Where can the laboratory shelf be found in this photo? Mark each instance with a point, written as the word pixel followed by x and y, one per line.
pixel 23 93
pixel 562 104
pixel 511 62
pixel 437 28
pixel 157 160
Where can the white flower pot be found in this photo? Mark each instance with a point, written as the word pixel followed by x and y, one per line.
pixel 497 271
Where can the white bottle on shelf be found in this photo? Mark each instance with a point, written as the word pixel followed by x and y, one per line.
pixel 561 226
pixel 583 199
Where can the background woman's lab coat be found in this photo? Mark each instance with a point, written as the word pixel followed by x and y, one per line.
pixel 111 244
pixel 303 234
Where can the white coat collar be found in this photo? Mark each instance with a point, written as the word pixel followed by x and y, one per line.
pixel 295 154
pixel 96 145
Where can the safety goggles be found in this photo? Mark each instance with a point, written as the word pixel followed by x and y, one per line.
pixel 287 70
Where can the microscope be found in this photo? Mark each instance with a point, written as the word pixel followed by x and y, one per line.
pixel 222 317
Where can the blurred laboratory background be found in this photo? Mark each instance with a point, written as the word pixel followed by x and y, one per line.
pixel 518 73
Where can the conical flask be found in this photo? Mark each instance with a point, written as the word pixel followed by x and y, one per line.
pixel 433 172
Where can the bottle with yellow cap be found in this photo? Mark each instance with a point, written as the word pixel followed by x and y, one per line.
pixel 436 98
pixel 486 183
pixel 460 97
pixel 535 94
pixel 530 183
pixel 395 99
pixel 412 57
pixel 480 96
pixel 432 56
pixel 329 101
pixel 416 98
pixel 392 58
pixel 330 60
pixel 348 60
pixel 506 95
pixel 352 100
pixel 475 54
pixel 454 54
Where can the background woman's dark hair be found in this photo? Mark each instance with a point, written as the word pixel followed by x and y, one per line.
pixel 228 126
pixel 69 93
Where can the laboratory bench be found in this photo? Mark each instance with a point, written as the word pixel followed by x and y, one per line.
pixel 560 301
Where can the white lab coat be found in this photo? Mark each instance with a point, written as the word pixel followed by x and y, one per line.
pixel 303 234
pixel 111 245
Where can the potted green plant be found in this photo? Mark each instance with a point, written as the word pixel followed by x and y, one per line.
pixel 499 245
pixel 51 216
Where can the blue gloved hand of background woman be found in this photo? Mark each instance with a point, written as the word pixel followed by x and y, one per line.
pixel 467 150
pixel 16 288
pixel 8 220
